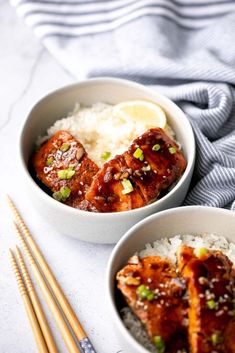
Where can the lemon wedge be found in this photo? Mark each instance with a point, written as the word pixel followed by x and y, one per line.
pixel 148 113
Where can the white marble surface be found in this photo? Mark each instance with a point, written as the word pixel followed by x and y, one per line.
pixel 28 72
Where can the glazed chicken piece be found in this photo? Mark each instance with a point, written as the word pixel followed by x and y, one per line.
pixel 155 294
pixel 106 191
pixel 210 282
pixel 137 177
pixel 61 163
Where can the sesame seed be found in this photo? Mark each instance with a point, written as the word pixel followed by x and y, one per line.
pixel 219 313
pixel 203 280
pixel 139 303
pixel 185 322
pixel 214 280
pixel 221 300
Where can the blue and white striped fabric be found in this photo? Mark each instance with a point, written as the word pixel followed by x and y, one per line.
pixel 184 48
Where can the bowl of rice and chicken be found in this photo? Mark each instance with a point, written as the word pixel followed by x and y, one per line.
pixel 101 155
pixel 171 282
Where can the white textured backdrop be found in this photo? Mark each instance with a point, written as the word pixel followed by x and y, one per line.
pixel 27 72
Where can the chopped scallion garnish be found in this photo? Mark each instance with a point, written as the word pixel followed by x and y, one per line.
pixel 127 186
pixel 57 196
pixel 65 174
pixel 49 161
pixel 145 293
pixel 172 150
pixel 216 338
pixel 156 147
pixel 106 155
pixel 211 304
pixel 159 343
pixel 138 154
pixel 65 147
pixel 200 252
pixel 63 194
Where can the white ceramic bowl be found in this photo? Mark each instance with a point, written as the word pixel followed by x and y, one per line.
pixel 182 220
pixel 99 227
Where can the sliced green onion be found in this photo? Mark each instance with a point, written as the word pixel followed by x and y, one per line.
pixel 127 186
pixel 57 196
pixel 211 304
pixel 138 154
pixel 172 150
pixel 145 293
pixel 63 194
pixel 49 161
pixel 142 290
pixel 65 147
pixel 65 174
pixel 156 147
pixel 200 252
pixel 159 343
pixel 106 155
pixel 216 338
pixel 150 296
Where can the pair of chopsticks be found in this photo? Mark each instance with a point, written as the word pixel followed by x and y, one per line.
pixel 50 289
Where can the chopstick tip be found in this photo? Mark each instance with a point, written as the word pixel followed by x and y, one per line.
pixel 17 249
pixel 10 252
pixel 15 225
pixel 9 200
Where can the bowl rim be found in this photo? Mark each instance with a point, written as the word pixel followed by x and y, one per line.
pixel 104 81
pixel 138 347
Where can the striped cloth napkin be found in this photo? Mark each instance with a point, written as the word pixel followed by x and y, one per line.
pixel 184 48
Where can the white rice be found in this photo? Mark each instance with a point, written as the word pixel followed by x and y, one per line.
pixel 100 130
pixel 166 247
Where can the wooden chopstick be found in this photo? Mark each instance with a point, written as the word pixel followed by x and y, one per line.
pixel 59 319
pixel 41 344
pixel 55 287
pixel 36 304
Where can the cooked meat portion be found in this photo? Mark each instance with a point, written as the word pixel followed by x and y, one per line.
pixel 136 178
pixel 61 163
pixel 106 191
pixel 210 282
pixel 155 294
